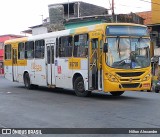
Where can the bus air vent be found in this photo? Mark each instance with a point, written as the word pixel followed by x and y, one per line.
pixel 129 74
pixel 134 85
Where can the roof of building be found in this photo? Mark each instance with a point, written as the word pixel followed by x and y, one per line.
pixel 28 31
pixel 94 17
pixel 146 15
pixel 56 4
pixel 36 26
pixel 63 3
pixel 9 36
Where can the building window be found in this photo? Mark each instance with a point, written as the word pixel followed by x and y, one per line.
pixel 39 48
pixel 69 6
pixel 80 45
pixel 29 49
pixel 21 50
pixel 65 46
pixel 8 51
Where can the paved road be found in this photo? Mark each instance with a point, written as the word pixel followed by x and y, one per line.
pixel 62 109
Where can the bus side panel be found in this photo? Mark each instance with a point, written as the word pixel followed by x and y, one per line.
pixel 81 68
pixel 8 70
pixel 21 63
pixel 39 69
pixel 20 74
pixel 63 73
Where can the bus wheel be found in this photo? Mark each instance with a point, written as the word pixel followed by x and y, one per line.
pixel 117 93
pixel 79 88
pixel 27 83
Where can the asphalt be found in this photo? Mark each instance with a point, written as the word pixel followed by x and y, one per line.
pixel 49 108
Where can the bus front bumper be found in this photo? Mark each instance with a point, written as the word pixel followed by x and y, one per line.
pixel 127 86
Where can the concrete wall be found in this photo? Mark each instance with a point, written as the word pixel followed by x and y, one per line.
pixel 39 30
pixel 56 14
pixel 81 9
pixel 90 9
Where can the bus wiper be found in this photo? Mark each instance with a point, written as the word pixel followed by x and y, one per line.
pixel 118 49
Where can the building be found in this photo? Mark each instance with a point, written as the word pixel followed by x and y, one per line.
pixel 66 11
pixel 76 14
pixel 59 13
pixel 147 16
pixel 3 38
pixel 95 19
pixel 154 26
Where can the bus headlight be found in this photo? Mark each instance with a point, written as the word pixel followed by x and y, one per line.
pixel 111 77
pixel 147 77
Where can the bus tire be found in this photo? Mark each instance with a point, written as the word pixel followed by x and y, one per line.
pixel 117 93
pixel 79 88
pixel 27 82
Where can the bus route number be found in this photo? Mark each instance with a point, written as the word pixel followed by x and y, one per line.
pixel 74 65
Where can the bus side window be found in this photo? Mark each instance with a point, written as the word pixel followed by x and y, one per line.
pixel 65 46
pixel 39 49
pixel 21 50
pixel 8 51
pixel 80 45
pixel 29 49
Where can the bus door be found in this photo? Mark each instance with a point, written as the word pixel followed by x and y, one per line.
pixel 14 64
pixel 50 45
pixel 63 61
pixel 95 67
pixel 39 63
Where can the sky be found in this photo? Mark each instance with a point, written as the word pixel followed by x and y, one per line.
pixel 18 15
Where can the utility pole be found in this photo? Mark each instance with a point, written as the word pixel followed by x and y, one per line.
pixel 112 10
pixel 42 18
pixel 112 7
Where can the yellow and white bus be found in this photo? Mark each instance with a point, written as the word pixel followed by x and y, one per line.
pixel 109 57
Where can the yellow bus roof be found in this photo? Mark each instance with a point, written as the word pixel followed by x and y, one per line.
pixel 24 39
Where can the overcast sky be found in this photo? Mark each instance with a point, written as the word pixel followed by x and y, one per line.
pixel 18 15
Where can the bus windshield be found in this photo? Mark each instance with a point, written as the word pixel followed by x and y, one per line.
pixel 128 52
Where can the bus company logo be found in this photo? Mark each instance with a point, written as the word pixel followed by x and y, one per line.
pixel 6 131
pixel 130 80
pixel 36 67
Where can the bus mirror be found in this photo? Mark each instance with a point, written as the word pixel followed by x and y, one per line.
pixel 105 48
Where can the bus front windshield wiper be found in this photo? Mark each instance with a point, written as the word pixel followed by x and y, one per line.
pixel 118 49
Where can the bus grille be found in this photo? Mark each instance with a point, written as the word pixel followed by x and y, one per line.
pixel 129 74
pixel 127 80
pixel 134 85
